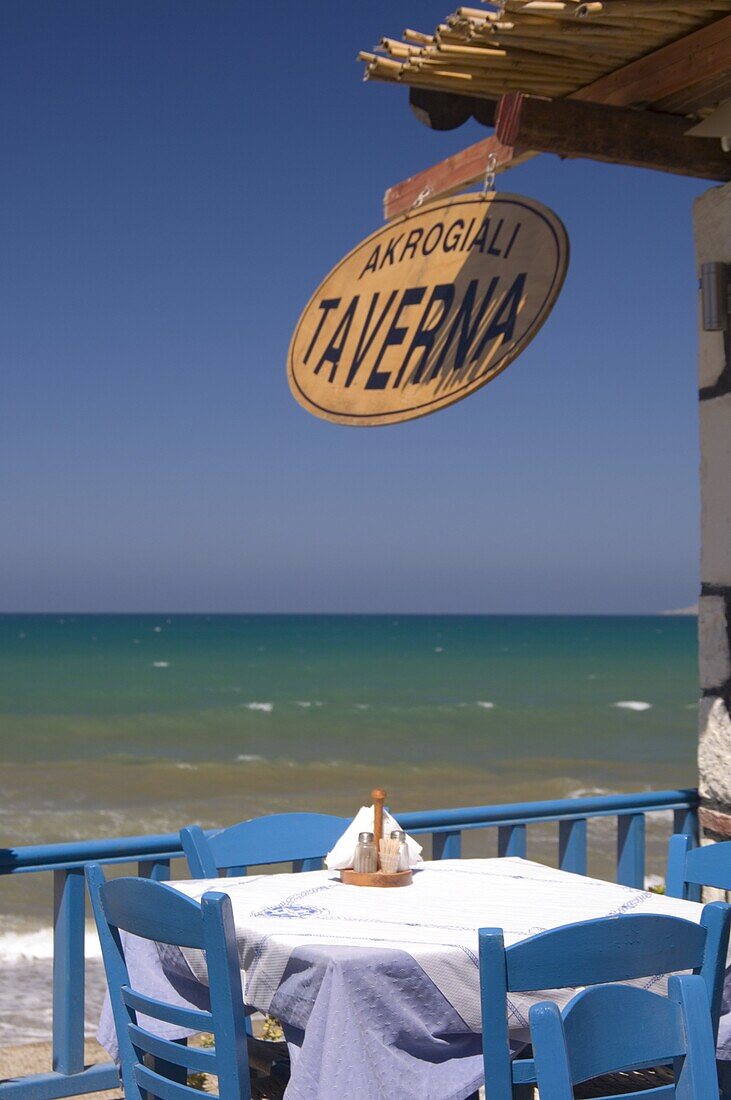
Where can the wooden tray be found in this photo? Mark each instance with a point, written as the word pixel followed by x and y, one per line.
pixel 376 878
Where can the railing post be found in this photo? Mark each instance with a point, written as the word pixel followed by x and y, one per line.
pixel 447 845
pixel 299 865
pixel 631 850
pixel 68 970
pixel 686 821
pixel 572 846
pixel 511 840
pixel 157 869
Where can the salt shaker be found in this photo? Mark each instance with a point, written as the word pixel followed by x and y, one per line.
pixel 366 856
pixel 403 854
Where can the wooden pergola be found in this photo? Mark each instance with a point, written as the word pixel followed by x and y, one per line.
pixel 612 80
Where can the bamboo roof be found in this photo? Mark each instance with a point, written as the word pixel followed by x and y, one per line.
pixel 551 48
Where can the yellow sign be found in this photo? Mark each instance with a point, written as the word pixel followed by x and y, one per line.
pixel 428 309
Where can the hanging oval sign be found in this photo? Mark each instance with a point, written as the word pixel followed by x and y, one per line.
pixel 428 309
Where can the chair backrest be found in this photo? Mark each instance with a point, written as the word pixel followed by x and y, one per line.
pixel 689 867
pixel 609 949
pixel 302 839
pixel 156 912
pixel 613 1027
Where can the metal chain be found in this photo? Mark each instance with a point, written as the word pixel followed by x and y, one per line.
pixel 490 172
pixel 487 186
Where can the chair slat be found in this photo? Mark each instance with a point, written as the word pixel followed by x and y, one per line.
pixel 614 1027
pixel 157 1085
pixel 277 838
pixel 134 905
pixel 710 865
pixel 178 1015
pixel 195 1059
pixel 689 868
pixel 611 949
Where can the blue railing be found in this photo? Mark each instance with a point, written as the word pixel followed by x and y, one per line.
pixel 153 854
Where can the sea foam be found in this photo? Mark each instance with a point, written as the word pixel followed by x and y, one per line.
pixel 17 947
pixel 267 708
pixel 633 704
pixel 589 792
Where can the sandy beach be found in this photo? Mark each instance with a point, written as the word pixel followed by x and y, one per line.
pixel 30 1058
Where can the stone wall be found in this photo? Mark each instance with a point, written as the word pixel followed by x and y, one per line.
pixel 712 224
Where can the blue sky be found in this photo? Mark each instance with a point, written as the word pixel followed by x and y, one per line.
pixel 177 177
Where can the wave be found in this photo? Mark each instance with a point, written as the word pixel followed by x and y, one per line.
pixel 309 703
pixel 248 758
pixel 485 705
pixel 19 947
pixel 589 792
pixel 633 704
pixel 267 708
pixel 161 664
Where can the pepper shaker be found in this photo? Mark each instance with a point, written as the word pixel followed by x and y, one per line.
pixel 403 855
pixel 366 856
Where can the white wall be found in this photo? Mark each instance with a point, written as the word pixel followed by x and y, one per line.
pixel 712 224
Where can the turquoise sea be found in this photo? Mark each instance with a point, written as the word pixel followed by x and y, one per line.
pixel 125 724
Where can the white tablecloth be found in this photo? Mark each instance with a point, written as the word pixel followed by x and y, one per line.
pixel 435 920
pixel 379 989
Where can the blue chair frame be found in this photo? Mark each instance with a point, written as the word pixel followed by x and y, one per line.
pixel 155 911
pixel 690 868
pixel 609 949
pixel 301 839
pixel 611 1028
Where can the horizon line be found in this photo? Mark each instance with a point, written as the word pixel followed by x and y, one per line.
pixel 689 612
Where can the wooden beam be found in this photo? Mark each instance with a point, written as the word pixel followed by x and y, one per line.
pixel 700 58
pixel 447 112
pixel 453 174
pixel 690 60
pixel 641 139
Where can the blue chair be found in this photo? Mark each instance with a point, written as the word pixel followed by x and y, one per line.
pixel 610 949
pixel 157 912
pixel 302 839
pixel 612 1027
pixel 690 868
